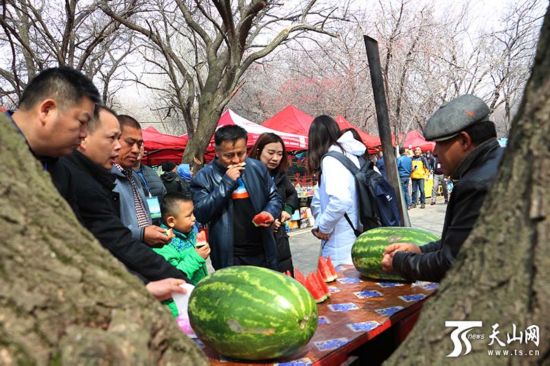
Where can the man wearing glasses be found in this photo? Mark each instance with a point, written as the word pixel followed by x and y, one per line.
pixel 136 209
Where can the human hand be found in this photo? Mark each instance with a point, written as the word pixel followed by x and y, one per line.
pixel 263 219
pixel 156 236
pixel 320 235
pixel 234 171
pixel 401 247
pixel 285 216
pixel 387 262
pixel 163 289
pixel 203 251
pixel 276 225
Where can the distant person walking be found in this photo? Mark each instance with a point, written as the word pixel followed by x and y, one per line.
pixel 419 172
pixel 404 168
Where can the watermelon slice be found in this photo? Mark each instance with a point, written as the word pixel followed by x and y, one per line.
pixel 322 283
pixel 315 289
pixel 263 218
pixel 201 239
pixel 324 270
pixel 331 267
pixel 298 276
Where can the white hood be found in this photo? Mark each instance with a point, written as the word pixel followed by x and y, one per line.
pixel 350 145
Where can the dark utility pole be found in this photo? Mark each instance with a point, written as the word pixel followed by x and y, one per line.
pixel 384 129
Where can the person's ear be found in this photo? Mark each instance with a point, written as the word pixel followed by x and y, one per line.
pixel 466 141
pixel 46 109
pixel 171 221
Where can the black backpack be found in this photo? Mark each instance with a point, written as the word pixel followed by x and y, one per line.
pixel 377 199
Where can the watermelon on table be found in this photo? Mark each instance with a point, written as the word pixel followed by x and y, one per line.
pixel 263 218
pixel 298 276
pixel 252 313
pixel 324 270
pixel 314 287
pixel 322 283
pixel 331 267
pixel 368 248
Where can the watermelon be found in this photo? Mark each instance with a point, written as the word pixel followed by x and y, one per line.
pixel 201 239
pixel 368 248
pixel 315 289
pixel 322 283
pixel 298 276
pixel 252 313
pixel 331 267
pixel 263 218
pixel 324 270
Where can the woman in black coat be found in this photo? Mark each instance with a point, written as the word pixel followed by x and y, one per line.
pixel 270 150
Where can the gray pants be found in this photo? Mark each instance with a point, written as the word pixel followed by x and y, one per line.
pixel 439 179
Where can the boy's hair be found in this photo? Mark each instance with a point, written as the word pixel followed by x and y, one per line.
pixel 170 203
pixel 64 84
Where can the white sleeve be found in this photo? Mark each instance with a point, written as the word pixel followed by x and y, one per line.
pixel 315 204
pixel 339 184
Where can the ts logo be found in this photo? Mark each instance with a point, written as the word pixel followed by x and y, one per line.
pixel 462 330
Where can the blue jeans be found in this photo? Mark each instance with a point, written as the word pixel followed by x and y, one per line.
pixel 405 189
pixel 418 185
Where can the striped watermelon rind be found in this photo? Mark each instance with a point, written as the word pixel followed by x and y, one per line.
pixel 368 248
pixel 252 313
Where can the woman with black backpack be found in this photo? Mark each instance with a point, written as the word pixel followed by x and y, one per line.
pixel 336 196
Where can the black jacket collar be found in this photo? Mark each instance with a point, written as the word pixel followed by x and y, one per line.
pixel 475 157
pixel 102 175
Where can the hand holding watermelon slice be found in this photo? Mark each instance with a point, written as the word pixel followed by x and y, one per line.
pixel 263 219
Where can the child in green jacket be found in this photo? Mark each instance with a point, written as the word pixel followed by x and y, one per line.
pixel 177 216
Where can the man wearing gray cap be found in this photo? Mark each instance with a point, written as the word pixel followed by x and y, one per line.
pixel 467 148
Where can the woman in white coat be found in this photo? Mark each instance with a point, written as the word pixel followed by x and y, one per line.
pixel 336 195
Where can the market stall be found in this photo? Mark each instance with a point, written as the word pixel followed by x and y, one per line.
pixel 358 313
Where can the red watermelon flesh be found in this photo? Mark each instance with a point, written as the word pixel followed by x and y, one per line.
pixel 201 238
pixel 314 289
pixel 322 283
pixel 262 218
pixel 331 267
pixel 299 276
pixel 324 270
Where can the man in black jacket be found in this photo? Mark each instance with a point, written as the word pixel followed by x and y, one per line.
pixel 467 148
pixel 85 181
pixel 227 194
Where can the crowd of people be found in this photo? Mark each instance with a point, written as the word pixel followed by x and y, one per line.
pixel 150 222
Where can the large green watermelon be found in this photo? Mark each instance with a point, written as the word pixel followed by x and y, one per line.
pixel 252 313
pixel 369 246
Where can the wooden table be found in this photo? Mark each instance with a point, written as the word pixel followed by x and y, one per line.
pixel 376 308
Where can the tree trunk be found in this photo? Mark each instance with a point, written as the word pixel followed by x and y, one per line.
pixel 503 271
pixel 64 299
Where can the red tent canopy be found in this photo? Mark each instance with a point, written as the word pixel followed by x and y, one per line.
pixel 160 147
pixel 291 120
pixel 414 139
pixel 293 142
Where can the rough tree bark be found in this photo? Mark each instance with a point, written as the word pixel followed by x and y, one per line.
pixel 503 271
pixel 63 298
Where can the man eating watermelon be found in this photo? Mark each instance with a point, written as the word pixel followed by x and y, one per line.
pixel 237 199
pixel 468 151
